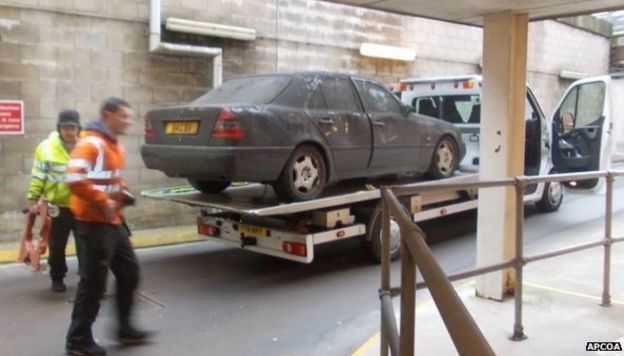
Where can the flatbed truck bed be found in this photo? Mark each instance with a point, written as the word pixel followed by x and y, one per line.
pixel 251 217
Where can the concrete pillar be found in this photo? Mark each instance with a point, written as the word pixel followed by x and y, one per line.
pixel 501 144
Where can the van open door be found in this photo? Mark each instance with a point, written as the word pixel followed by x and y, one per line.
pixel 581 129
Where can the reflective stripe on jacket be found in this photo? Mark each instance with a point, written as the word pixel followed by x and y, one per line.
pixel 48 170
pixel 93 176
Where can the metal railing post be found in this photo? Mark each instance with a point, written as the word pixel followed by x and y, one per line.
pixel 408 301
pixel 385 269
pixel 606 294
pixel 389 323
pixel 518 329
pixel 464 332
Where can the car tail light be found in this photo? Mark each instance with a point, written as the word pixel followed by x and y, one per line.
pixel 209 230
pixel 227 126
pixel 294 248
pixel 149 129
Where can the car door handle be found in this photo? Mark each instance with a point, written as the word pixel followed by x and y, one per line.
pixel 326 120
pixel 378 123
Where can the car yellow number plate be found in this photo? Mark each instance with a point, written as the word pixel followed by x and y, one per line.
pixel 253 230
pixel 182 127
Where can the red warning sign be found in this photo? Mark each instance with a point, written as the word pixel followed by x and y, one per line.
pixel 11 117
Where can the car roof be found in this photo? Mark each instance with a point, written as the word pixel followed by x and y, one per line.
pixel 307 74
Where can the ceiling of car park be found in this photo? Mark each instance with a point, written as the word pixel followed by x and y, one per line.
pixel 470 12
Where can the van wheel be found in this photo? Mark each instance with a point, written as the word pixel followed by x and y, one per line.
pixel 303 177
pixel 551 197
pixel 208 186
pixel 372 243
pixel 444 160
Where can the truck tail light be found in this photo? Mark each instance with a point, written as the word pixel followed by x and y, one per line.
pixel 468 84
pixel 209 230
pixel 149 129
pixel 295 248
pixel 227 126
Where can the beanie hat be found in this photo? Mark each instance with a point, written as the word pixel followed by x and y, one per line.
pixel 69 117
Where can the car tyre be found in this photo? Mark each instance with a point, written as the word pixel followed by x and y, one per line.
pixel 552 197
pixel 372 243
pixel 208 186
pixel 303 177
pixel 444 160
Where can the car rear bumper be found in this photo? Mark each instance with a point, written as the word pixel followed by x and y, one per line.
pixel 255 164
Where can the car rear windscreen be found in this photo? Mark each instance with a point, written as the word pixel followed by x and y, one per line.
pixel 248 90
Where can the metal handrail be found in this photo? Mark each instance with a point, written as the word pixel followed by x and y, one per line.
pixel 458 321
pixel 464 332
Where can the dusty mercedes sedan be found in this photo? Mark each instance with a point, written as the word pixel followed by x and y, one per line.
pixel 296 132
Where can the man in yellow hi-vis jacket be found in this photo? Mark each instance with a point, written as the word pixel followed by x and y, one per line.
pixel 47 182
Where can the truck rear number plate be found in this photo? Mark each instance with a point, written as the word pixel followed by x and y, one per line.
pixel 253 230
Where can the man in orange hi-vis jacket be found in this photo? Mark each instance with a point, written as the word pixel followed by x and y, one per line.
pixel 97 196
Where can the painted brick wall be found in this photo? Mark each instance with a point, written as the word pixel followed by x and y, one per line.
pixel 67 53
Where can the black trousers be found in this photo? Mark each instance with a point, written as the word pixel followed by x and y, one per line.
pixel 59 233
pixel 100 247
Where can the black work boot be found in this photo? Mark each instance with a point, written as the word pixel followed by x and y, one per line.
pixel 128 335
pixel 90 349
pixel 58 286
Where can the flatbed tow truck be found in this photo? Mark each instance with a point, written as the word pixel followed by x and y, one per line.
pixel 252 218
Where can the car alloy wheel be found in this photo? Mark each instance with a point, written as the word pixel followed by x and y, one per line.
pixel 445 157
pixel 303 177
pixel 305 173
pixel 444 161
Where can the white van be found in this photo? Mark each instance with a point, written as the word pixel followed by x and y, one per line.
pixel 458 100
pixel 577 138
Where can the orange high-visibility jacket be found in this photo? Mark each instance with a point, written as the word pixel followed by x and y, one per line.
pixel 93 175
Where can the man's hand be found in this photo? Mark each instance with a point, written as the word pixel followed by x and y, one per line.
pixel 31 207
pixel 109 210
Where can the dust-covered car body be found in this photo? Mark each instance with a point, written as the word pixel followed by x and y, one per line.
pixel 297 132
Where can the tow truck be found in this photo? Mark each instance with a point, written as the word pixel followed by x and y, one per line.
pixel 252 218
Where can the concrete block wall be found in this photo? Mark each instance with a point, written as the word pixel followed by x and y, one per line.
pixel 68 53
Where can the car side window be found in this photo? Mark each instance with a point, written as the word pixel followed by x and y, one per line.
pixel 316 101
pixel 339 95
pixel 377 99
